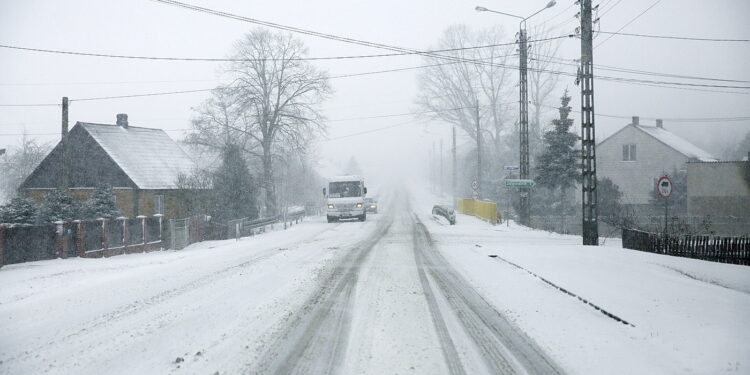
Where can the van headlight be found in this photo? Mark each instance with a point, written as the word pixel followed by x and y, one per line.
pixel 330 205
pixel 359 205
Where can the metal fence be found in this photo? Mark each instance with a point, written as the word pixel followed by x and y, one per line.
pixel 734 250
pixel 179 233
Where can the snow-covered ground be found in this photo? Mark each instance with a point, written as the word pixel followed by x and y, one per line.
pixel 390 295
pixel 686 316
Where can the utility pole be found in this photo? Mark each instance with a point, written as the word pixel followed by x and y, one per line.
pixel 65 180
pixel 454 167
pixel 523 130
pixel 442 190
pixel 588 139
pixel 479 153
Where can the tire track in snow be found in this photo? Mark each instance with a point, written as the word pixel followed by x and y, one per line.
pixel 315 339
pixel 452 360
pixel 504 348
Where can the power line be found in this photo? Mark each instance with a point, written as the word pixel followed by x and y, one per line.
pixel 31 105
pixel 203 59
pixel 628 23
pixel 610 8
pixel 370 131
pixel 644 72
pixel 670 119
pixel 675 37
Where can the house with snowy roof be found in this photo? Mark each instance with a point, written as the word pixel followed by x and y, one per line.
pixel 637 155
pixel 141 164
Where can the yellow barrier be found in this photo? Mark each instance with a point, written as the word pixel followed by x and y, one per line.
pixel 480 209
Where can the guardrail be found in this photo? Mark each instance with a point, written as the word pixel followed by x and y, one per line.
pixel 447 212
pixel 481 209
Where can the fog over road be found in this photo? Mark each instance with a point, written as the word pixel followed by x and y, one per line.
pixel 350 297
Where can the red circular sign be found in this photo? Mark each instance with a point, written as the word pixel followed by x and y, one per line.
pixel 664 187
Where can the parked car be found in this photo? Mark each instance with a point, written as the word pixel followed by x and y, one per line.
pixel 371 205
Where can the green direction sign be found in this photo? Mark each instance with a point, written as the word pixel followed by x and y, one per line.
pixel 516 183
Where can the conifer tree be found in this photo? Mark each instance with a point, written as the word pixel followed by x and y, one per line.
pixel 58 206
pixel 20 210
pixel 234 187
pixel 101 204
pixel 558 165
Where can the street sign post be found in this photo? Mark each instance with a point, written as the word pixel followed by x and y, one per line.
pixel 510 167
pixel 475 185
pixel 664 189
pixel 519 183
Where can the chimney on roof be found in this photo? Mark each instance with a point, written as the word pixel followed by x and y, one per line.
pixel 122 120
pixel 660 123
pixel 635 120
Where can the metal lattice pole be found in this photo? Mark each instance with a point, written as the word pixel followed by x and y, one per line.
pixel 588 140
pixel 524 127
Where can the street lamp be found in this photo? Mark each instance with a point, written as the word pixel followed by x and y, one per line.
pixel 523 104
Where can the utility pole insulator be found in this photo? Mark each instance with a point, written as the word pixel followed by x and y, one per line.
pixel 588 140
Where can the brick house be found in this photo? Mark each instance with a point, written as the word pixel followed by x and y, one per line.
pixel 141 164
pixel 636 156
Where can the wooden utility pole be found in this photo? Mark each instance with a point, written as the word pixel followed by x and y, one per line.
pixel 588 139
pixel 454 167
pixel 442 190
pixel 65 175
pixel 479 153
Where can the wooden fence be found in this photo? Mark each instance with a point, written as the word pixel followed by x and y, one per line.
pixel 735 250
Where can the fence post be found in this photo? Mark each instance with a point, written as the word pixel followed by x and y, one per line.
pixel 2 245
pixel 125 231
pixel 81 237
pixel 60 246
pixel 160 216
pixel 143 230
pixel 105 233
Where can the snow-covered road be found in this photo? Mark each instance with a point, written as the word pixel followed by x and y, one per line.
pixel 399 293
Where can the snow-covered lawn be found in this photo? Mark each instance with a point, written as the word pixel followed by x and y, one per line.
pixel 202 309
pixel 689 316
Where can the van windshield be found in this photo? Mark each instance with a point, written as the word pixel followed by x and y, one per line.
pixel 344 189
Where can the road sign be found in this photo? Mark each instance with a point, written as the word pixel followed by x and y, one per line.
pixel 510 167
pixel 475 185
pixel 474 195
pixel 518 183
pixel 664 187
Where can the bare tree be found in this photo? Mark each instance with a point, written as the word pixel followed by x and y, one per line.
pixel 219 122
pixel 542 82
pixel 18 164
pixel 279 95
pixel 476 74
pixel 452 88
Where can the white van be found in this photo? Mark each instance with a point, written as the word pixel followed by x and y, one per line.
pixel 345 198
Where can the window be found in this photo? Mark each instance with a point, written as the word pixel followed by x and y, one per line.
pixel 628 153
pixel 158 204
pixel 344 189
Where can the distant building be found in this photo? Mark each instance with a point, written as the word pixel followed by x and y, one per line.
pixel 636 156
pixel 719 189
pixel 141 164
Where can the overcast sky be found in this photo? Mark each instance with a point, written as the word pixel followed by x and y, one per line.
pixel 142 27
